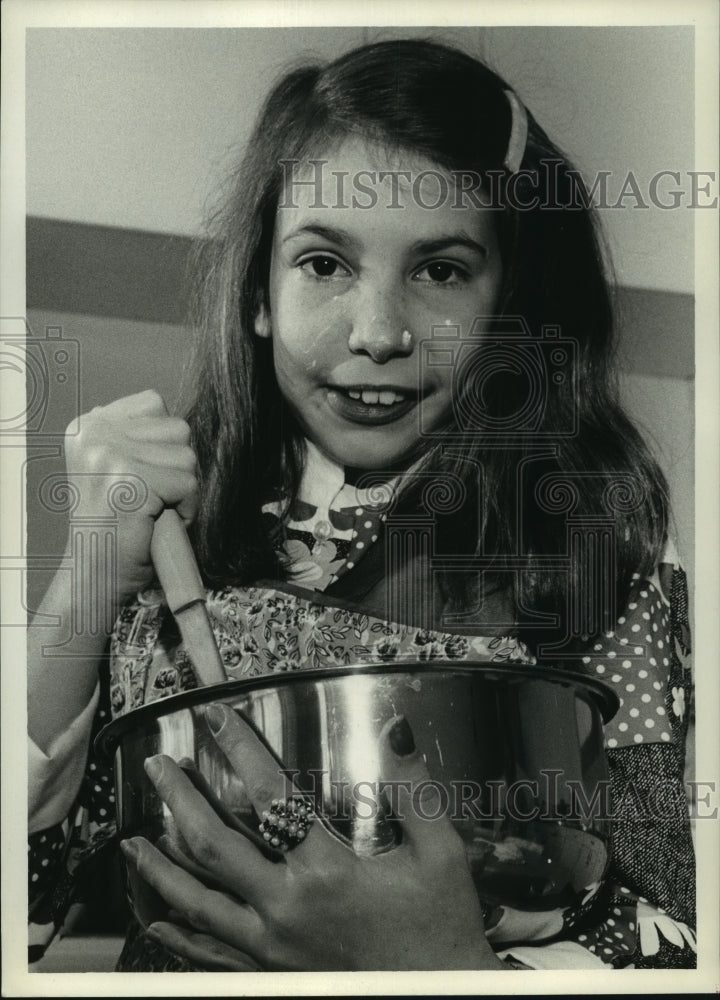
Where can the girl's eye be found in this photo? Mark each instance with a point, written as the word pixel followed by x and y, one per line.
pixel 442 272
pixel 322 266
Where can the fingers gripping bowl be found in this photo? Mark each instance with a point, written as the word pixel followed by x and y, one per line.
pixel 515 754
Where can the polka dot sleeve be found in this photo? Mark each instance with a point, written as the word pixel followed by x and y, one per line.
pixel 644 916
pixel 639 660
pixel 55 776
pixel 68 859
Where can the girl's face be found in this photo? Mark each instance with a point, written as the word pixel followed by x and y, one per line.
pixel 355 290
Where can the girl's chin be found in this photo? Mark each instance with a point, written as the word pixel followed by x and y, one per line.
pixel 359 457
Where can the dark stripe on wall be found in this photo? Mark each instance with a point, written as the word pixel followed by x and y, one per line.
pixel 103 271
pixel 131 274
pixel 656 332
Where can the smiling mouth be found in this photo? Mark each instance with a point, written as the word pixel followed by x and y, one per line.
pixel 371 404
pixel 374 395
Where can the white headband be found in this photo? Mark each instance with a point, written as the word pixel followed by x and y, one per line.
pixel 518 133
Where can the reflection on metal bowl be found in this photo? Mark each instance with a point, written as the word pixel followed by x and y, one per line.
pixel 516 752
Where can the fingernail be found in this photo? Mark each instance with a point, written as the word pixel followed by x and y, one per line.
pixel 401 738
pixel 130 849
pixel 215 715
pixel 154 768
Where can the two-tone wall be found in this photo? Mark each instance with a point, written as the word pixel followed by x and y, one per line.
pixel 129 133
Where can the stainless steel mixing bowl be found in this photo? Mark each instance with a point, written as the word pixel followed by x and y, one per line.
pixel 518 752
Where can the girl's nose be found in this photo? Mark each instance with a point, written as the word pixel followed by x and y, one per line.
pixel 378 329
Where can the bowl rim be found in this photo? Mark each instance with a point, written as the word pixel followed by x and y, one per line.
pixel 108 739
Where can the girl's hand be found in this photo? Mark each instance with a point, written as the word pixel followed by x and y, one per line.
pixel 321 907
pixel 134 441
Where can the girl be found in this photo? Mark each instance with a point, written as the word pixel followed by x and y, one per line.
pixel 404 250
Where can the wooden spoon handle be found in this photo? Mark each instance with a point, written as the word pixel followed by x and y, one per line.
pixel 179 576
pixel 174 562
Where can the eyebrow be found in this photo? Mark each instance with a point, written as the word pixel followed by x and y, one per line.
pixel 421 247
pixel 440 243
pixel 338 236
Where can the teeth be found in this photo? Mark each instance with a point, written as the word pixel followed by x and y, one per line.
pixel 388 397
pixel 371 397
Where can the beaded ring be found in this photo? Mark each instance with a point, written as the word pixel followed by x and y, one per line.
pixel 285 824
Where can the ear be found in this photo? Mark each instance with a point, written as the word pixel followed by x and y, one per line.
pixel 263 327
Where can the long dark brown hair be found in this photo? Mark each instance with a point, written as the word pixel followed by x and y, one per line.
pixel 420 97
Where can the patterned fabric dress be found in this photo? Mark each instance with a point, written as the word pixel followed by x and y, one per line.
pixel 641 915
